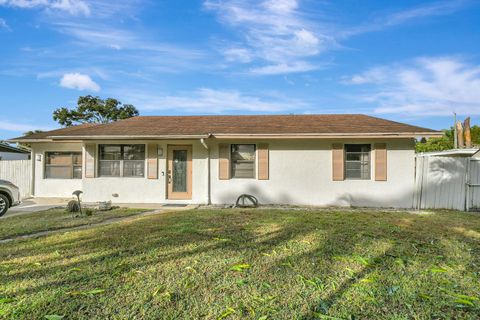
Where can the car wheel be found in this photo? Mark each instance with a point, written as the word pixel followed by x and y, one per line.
pixel 4 204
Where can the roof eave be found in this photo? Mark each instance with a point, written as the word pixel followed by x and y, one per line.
pixel 330 135
pixel 235 136
pixel 28 140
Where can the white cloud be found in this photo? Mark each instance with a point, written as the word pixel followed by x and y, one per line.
pixel 3 24
pixel 99 35
pixel 210 101
pixel 238 54
pixel 427 86
pixel 438 8
pixel 372 75
pixel 79 81
pixel 284 68
pixel 282 6
pixel 275 34
pixel 73 7
pixel 19 127
pixel 280 39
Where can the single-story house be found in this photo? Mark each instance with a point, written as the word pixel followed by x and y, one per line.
pixel 321 160
pixel 8 152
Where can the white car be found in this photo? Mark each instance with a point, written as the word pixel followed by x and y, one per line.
pixel 9 196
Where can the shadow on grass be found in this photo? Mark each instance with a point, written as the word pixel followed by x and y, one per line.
pixel 107 255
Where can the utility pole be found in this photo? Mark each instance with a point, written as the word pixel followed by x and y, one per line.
pixel 455 138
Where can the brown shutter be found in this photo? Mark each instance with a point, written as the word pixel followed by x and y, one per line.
pixel 90 160
pixel 152 162
pixel 223 161
pixel 380 162
pixel 338 173
pixel 262 161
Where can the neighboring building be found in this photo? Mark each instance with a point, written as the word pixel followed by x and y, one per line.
pixel 322 160
pixel 460 153
pixel 8 152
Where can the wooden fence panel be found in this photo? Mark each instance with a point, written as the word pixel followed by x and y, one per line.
pixel 19 172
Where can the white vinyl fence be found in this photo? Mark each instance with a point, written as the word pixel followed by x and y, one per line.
pixel 447 183
pixel 19 172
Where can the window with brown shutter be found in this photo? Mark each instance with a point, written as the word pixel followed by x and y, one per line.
pixel 357 161
pixel 338 173
pixel 152 161
pixel 121 160
pixel 381 162
pixel 263 173
pixel 90 160
pixel 242 160
pixel 223 161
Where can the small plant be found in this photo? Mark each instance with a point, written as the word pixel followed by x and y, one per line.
pixel 73 206
pixel 88 212
pixel 77 193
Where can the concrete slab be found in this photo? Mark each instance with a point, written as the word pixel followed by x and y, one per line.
pixel 157 206
pixel 39 204
pixel 35 205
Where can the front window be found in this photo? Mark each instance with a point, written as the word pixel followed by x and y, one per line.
pixel 63 165
pixel 122 160
pixel 357 161
pixel 243 160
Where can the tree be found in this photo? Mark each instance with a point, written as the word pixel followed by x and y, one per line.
pixel 26 145
pixel 434 144
pixel 94 110
pixel 446 141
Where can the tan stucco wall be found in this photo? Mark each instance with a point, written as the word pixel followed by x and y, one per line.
pixel 53 187
pixel 300 173
pixel 143 190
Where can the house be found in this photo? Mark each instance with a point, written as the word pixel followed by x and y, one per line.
pixel 321 160
pixel 8 152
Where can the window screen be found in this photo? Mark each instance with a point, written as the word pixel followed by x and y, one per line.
pixel 357 161
pixel 63 165
pixel 243 160
pixel 126 160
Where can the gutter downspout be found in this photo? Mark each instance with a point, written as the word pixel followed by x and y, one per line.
pixel 209 197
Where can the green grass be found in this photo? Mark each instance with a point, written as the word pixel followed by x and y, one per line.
pixel 55 219
pixel 251 264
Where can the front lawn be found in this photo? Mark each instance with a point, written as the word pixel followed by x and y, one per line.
pixel 251 264
pixel 55 219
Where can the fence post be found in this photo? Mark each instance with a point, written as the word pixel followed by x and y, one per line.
pixel 467 185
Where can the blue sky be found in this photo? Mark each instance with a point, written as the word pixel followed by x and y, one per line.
pixel 409 61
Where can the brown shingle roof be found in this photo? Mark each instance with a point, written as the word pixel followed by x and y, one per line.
pixel 178 126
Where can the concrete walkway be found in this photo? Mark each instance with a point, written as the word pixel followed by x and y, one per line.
pixel 40 204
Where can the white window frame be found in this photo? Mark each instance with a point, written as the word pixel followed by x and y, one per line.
pixel 72 165
pixel 254 176
pixel 122 161
pixel 369 161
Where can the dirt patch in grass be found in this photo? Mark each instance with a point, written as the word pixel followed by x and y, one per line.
pixel 251 264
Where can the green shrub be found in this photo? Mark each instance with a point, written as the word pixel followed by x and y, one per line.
pixel 73 206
